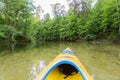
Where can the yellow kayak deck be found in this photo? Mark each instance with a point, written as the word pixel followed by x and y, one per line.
pixel 57 75
pixel 65 66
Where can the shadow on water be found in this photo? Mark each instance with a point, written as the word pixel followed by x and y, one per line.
pixel 13 48
pixel 6 49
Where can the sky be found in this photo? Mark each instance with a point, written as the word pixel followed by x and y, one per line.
pixel 45 4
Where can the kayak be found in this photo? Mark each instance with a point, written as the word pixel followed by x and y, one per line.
pixel 66 66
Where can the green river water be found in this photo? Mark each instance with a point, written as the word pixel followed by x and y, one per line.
pixel 102 60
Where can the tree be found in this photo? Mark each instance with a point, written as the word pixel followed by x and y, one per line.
pixel 83 6
pixel 46 17
pixel 58 9
pixel 15 11
pixel 118 10
pixel 39 10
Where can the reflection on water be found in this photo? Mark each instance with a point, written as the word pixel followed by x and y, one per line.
pixel 36 69
pixel 22 61
pixel 33 72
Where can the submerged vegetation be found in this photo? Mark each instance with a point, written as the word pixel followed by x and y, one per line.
pixel 101 21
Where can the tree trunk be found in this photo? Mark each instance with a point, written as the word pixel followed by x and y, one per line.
pixel 13 34
pixel 117 7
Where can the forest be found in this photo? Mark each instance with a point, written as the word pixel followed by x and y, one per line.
pixel 83 21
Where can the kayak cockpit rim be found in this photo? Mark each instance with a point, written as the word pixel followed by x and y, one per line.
pixel 64 62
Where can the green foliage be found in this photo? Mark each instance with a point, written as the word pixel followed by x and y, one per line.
pixel 99 22
pixel 102 22
pixel 69 30
pixel 7 31
pixel 2 35
pixel 14 17
pixel 47 30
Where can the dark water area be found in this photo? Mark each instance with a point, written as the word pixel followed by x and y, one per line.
pixel 102 60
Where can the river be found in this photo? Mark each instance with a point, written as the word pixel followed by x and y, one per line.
pixel 102 60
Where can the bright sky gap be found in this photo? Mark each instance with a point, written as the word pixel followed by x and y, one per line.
pixel 45 4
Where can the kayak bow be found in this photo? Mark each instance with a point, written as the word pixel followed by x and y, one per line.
pixel 65 66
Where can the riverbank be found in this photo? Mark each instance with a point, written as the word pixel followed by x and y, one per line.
pixel 77 40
